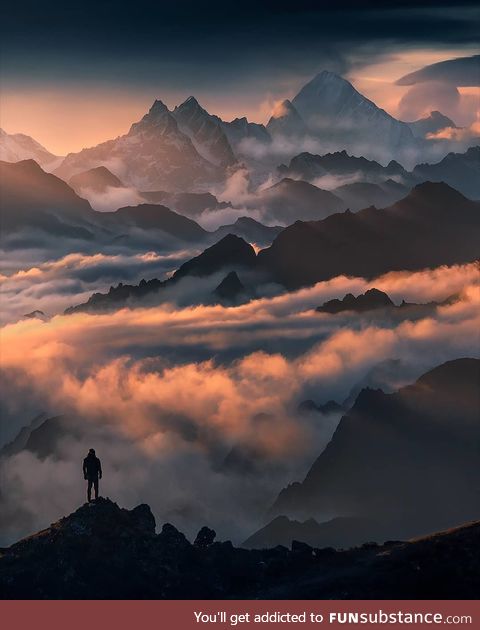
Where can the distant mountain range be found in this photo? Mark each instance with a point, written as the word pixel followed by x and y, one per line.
pixel 188 149
pixel 17 146
pixel 250 230
pixel 352 183
pixel 459 170
pixel 41 203
pixel 433 225
pixel 374 301
pixel 343 166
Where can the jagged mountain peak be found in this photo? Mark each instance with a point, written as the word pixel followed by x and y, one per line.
pixel 286 120
pixel 205 131
pixel 230 251
pixel 370 300
pixel 325 80
pixel 190 102
pixel 158 119
pixel 158 107
pixel 333 109
pixel 230 288
pixel 156 154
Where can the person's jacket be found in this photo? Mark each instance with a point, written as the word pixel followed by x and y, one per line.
pixel 92 467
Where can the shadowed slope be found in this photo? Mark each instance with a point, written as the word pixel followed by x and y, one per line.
pixel 104 552
pixel 434 225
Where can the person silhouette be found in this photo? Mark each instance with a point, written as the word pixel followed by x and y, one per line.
pixel 92 472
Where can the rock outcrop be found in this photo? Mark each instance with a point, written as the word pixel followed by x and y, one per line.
pixel 104 552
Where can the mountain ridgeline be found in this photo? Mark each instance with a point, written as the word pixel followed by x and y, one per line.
pixel 188 149
pixel 399 464
pixel 229 254
pixel 104 552
pixel 434 225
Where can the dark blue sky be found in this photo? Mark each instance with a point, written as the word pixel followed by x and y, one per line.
pixel 216 42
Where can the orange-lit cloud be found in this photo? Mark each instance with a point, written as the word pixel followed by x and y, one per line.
pixel 458 134
pixel 164 423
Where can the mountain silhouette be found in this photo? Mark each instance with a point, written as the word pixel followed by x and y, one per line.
pixel 290 200
pixel 370 300
pixel 230 253
pixel 188 204
pixel 434 225
pixel 155 216
pixel 250 230
pixel 459 170
pixel 375 302
pixel 32 198
pixel 359 195
pixel 308 166
pixel 434 122
pixel 408 460
pixel 97 179
pixel 230 290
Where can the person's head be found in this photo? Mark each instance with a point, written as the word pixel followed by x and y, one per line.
pixel 91 451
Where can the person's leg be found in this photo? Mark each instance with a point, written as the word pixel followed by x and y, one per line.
pixel 89 490
pixel 95 485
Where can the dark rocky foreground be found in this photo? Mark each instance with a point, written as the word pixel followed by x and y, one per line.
pixel 104 552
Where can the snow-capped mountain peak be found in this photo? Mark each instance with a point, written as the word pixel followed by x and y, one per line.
pixel 18 146
pixel 205 131
pixel 341 117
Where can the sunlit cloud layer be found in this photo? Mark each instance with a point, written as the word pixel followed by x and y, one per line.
pixel 232 382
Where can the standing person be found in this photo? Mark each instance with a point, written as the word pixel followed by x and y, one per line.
pixel 92 472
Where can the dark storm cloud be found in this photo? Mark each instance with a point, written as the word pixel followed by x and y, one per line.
pixel 461 72
pixel 199 43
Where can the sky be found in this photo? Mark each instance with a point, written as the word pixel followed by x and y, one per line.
pixel 74 74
